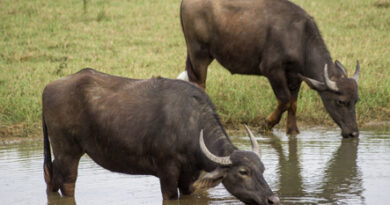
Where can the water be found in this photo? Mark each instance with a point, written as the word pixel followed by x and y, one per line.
pixel 316 167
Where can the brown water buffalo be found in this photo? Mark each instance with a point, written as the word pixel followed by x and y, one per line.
pixel 161 127
pixel 273 38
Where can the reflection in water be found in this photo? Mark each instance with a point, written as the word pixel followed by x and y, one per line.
pixel 316 167
pixel 290 177
pixel 204 198
pixel 343 178
pixel 54 198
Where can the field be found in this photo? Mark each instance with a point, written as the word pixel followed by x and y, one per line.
pixel 41 41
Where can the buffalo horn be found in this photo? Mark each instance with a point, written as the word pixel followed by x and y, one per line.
pixel 224 161
pixel 255 145
pixel 357 72
pixel 329 83
pixel 341 67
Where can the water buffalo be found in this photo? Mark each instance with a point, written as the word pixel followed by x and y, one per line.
pixel 148 127
pixel 273 38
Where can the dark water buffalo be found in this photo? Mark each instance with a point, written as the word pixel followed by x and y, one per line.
pixel 150 127
pixel 273 38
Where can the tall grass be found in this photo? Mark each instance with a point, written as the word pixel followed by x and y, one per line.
pixel 41 41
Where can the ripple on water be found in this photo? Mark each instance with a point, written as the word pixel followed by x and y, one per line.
pixel 317 166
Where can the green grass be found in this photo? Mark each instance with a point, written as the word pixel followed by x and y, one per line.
pixel 41 41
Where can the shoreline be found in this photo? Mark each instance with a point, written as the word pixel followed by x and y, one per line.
pixel 24 131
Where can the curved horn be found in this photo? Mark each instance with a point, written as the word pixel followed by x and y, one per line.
pixel 255 146
pixel 224 161
pixel 357 72
pixel 329 83
pixel 341 67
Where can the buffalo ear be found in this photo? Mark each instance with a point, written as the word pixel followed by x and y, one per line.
pixel 313 84
pixel 210 179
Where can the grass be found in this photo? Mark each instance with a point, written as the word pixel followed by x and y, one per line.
pixel 41 41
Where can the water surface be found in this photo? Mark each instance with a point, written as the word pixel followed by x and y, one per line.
pixel 316 167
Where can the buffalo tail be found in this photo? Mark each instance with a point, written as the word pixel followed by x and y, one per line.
pixel 47 163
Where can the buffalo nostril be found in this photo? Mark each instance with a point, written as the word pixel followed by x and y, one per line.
pixel 355 134
pixel 273 200
pixel 350 134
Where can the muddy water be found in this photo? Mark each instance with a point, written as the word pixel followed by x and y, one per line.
pixel 316 167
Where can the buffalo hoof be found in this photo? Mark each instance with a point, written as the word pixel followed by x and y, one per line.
pixel 265 126
pixel 67 189
pixel 292 132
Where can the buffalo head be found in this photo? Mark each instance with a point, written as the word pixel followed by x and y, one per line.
pixel 241 173
pixel 339 97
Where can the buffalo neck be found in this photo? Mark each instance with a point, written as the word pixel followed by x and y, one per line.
pixel 317 55
pixel 218 143
pixel 215 136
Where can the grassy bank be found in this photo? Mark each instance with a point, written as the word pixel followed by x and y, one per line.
pixel 44 40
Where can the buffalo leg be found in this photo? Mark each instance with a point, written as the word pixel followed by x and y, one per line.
pixel 198 59
pixel 279 86
pixel 186 182
pixel 292 128
pixel 276 115
pixel 169 177
pixel 65 173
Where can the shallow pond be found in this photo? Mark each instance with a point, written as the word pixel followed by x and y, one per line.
pixel 316 167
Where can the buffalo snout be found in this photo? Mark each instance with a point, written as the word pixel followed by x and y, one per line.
pixel 350 134
pixel 273 200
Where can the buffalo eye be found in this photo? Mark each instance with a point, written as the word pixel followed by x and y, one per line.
pixel 243 172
